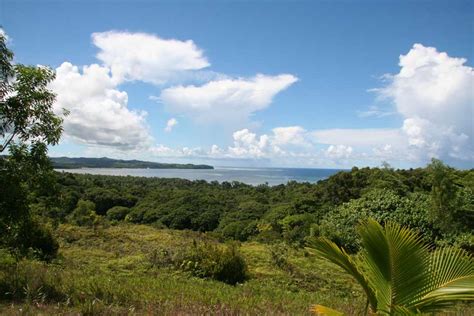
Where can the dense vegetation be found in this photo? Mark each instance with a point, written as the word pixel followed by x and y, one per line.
pixel 72 163
pixel 294 212
pixel 199 236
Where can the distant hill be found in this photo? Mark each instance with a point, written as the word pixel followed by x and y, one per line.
pixel 74 163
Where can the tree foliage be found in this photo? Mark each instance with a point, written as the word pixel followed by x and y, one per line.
pixel 291 212
pixel 27 126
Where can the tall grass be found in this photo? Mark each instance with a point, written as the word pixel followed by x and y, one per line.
pixel 120 270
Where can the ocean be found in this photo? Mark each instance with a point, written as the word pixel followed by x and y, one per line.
pixel 252 176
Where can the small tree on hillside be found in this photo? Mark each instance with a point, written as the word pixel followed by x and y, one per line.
pixel 27 126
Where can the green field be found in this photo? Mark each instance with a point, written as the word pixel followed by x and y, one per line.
pixel 100 245
pixel 110 271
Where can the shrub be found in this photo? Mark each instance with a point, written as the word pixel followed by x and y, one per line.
pixel 31 280
pixel 104 199
pixel 231 267
pixel 221 263
pixel 240 230
pixel 463 240
pixel 226 265
pixel 117 213
pixel 38 238
pixel 297 227
pixel 84 214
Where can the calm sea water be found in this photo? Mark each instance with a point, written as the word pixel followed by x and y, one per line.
pixel 253 176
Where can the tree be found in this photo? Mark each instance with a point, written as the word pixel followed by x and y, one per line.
pixel 84 214
pixel 26 113
pixel 398 272
pixel 27 126
pixel 26 103
pixel 443 196
pixel 340 223
pixel 6 68
pixel 117 213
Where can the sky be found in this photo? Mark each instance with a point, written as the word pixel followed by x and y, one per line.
pixel 323 84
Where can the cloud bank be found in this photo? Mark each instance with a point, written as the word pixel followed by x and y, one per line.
pixel 432 93
pixel 99 110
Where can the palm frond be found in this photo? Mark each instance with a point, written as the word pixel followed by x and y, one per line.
pixel 399 273
pixel 330 251
pixel 376 259
pixel 403 311
pixel 451 280
pixel 396 261
pixel 325 311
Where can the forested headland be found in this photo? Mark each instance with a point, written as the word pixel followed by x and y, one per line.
pixel 104 162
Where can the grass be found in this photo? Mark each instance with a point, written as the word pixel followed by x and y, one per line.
pixel 109 271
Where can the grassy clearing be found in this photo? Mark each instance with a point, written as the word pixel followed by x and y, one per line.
pixel 110 271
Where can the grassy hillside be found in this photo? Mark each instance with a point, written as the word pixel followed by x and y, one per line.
pixel 134 246
pixel 111 271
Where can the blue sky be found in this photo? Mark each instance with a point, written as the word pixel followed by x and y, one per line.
pixel 263 83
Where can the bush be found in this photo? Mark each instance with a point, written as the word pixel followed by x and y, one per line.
pixel 297 227
pixel 104 199
pixel 221 263
pixel 231 267
pixel 84 214
pixel 463 240
pixel 31 238
pixel 31 280
pixel 210 261
pixel 117 213
pixel 38 238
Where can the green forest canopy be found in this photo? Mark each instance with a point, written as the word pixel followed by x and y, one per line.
pixel 415 198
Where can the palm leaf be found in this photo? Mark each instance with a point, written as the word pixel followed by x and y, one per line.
pixel 451 280
pixel 325 311
pixel 399 273
pixel 396 261
pixel 330 251
pixel 403 311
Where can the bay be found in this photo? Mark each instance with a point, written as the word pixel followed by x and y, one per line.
pixel 252 176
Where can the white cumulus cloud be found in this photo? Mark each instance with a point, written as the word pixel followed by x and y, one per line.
pixel 282 142
pixel 339 151
pixel 247 144
pixel 172 122
pixel 434 93
pixel 290 135
pixel 226 100
pixel 99 113
pixel 146 57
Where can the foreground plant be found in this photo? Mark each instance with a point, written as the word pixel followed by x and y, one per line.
pixel 398 272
